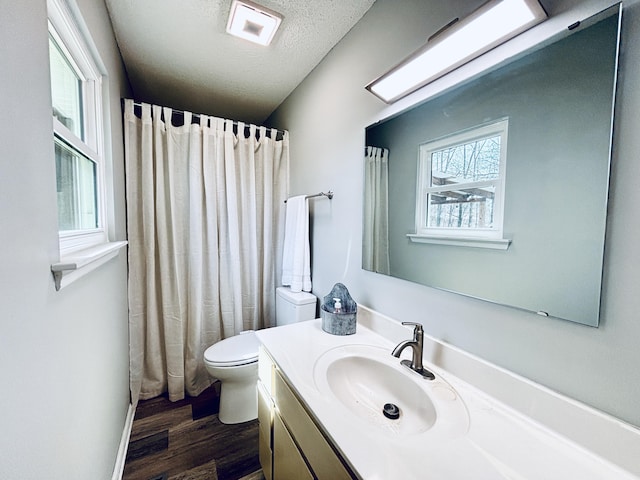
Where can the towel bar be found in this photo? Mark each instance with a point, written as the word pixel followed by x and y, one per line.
pixel 328 194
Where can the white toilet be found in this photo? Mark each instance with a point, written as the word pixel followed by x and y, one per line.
pixel 234 360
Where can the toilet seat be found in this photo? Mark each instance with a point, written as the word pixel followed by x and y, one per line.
pixel 233 351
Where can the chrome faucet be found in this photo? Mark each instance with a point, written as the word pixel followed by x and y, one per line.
pixel 417 345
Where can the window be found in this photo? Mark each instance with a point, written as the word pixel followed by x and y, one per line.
pixel 76 91
pixel 461 184
pixel 78 78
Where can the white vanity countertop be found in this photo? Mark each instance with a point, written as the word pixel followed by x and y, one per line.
pixel 500 442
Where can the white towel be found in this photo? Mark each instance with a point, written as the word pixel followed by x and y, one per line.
pixel 296 257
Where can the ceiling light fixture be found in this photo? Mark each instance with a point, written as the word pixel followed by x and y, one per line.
pixel 490 25
pixel 252 22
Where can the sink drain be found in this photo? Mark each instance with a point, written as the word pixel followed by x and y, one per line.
pixel 391 411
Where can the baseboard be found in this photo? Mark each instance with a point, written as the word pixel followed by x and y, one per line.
pixel 118 469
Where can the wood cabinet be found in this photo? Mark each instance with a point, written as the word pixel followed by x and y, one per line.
pixel 265 429
pixel 291 444
pixel 288 461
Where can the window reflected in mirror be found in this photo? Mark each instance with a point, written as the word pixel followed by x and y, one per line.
pixel 460 183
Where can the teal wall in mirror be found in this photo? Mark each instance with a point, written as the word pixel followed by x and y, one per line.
pixel 559 104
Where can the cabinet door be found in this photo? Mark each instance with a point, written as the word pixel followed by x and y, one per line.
pixel 265 414
pixel 324 462
pixel 288 464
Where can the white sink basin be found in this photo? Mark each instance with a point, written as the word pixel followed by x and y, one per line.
pixel 365 378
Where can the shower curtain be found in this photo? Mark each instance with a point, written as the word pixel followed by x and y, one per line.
pixel 375 248
pixel 205 219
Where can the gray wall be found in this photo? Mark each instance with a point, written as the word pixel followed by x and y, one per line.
pixel 64 355
pixel 327 115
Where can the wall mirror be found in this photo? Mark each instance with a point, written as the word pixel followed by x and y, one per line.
pixel 557 102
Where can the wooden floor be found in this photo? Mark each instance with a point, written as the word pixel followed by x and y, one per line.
pixel 185 441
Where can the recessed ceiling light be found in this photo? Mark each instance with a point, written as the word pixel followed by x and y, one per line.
pixel 252 22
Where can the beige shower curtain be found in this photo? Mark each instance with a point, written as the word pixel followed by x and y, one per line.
pixel 375 242
pixel 205 218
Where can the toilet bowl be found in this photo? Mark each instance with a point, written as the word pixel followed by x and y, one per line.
pixel 234 360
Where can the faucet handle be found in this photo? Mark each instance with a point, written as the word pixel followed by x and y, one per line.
pixel 417 326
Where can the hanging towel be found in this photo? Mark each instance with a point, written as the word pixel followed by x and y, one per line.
pixel 296 257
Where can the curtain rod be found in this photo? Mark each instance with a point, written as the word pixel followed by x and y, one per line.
pixel 328 194
pixel 197 115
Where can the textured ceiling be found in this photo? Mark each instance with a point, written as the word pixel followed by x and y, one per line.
pixel 178 54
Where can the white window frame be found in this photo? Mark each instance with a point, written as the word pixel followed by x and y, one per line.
pixel 82 251
pixel 481 237
pixel 77 47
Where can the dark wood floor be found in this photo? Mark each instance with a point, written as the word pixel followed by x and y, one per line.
pixel 185 441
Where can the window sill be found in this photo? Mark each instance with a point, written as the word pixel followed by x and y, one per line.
pixel 493 243
pixel 76 265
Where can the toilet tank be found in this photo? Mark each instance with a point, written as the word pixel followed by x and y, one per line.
pixel 294 307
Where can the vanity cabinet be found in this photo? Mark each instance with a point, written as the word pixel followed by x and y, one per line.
pixel 291 445
pixel 265 427
pixel 288 462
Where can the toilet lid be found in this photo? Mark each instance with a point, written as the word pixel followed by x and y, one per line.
pixel 237 350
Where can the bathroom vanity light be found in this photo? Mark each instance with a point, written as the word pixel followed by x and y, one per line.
pixel 252 22
pixel 493 23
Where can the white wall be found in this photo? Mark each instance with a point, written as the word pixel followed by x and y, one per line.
pixel 64 355
pixel 327 115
